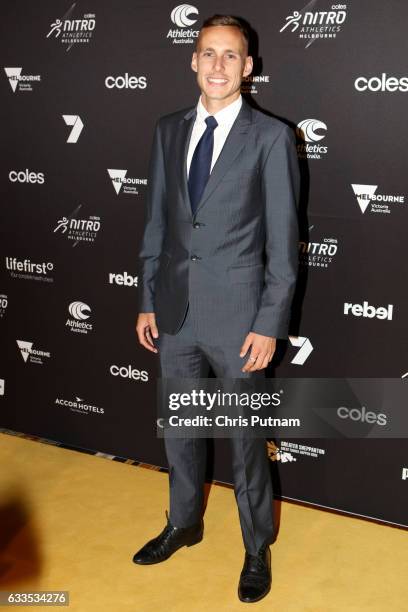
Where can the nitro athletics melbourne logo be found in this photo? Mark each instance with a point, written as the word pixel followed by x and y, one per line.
pixel 317 253
pixel 181 17
pixel 73 31
pixel 79 230
pixel 3 304
pixel 313 25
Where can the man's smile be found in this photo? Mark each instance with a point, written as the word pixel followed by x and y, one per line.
pixel 217 80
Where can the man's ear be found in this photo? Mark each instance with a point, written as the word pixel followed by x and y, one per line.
pixel 249 64
pixel 194 61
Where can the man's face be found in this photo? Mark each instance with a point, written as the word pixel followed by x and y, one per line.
pixel 220 62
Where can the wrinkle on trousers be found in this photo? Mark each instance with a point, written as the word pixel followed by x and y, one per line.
pixel 183 356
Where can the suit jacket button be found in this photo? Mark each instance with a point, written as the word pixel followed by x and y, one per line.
pixel 193 257
pixel 197 225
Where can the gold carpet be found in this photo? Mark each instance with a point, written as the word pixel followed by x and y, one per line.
pixel 73 521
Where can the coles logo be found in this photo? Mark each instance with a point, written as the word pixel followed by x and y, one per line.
pixel 129 372
pixel 25 176
pixel 382 83
pixel 363 415
pixel 126 82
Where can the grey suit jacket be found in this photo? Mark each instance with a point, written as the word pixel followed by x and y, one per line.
pixel 235 261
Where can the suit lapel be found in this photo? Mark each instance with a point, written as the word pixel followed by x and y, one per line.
pixel 183 139
pixel 233 145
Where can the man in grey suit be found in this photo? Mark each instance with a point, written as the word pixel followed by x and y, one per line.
pixel 219 266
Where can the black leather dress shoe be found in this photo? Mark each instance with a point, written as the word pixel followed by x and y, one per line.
pixel 167 542
pixel 255 580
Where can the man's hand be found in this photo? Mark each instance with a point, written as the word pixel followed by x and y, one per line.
pixel 263 348
pixel 146 328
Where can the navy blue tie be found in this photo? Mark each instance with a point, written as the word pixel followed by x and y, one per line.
pixel 201 163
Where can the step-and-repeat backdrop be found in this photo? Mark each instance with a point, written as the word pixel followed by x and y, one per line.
pixel 82 85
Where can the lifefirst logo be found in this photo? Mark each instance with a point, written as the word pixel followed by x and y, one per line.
pixel 27 269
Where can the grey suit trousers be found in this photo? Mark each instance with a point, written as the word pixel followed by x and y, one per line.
pixel 183 355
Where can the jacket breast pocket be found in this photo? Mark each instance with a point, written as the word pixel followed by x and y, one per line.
pixel 247 274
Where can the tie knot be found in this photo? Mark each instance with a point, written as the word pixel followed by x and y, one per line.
pixel 211 122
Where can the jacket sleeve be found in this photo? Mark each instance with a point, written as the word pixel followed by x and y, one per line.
pixel 155 224
pixel 280 190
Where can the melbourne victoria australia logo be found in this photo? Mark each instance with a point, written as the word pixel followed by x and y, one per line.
pixel 310 26
pixel 79 405
pixel 251 83
pixel 125 184
pixel 183 17
pixel 77 322
pixel 73 31
pixel 78 230
pixel 31 354
pixel 376 202
pixel 309 133
pixel 21 82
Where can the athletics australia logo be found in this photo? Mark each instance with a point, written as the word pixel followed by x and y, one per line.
pixel 379 203
pixel 79 313
pixel 314 25
pixel 309 132
pixel 181 17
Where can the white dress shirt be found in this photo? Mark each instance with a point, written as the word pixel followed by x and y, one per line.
pixel 225 118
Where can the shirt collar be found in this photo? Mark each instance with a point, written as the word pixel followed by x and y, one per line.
pixel 224 116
